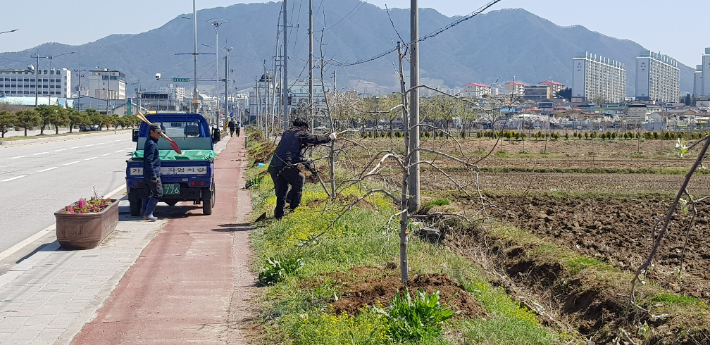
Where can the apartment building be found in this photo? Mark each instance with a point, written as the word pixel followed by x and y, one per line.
pixel 596 77
pixel 657 78
pixel 476 90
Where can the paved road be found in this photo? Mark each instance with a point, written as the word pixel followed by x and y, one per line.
pixel 37 180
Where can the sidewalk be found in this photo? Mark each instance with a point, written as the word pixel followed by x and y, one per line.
pixel 187 282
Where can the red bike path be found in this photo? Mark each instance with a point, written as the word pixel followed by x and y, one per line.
pixel 192 283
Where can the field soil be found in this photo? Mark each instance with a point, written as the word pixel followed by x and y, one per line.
pixel 618 232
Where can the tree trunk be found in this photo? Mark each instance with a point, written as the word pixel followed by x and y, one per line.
pixel 25 131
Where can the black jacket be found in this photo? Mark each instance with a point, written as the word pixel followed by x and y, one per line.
pixel 151 159
pixel 290 149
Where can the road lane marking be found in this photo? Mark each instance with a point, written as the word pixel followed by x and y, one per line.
pixel 100 144
pixel 70 163
pixel 105 154
pixel 75 147
pixel 40 153
pixel 60 150
pixel 14 249
pixel 16 157
pixel 48 169
pixel 120 151
pixel 13 178
pixel 88 159
pixel 89 145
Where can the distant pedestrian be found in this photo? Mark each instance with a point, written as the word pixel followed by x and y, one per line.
pixel 151 173
pixel 284 164
pixel 238 126
pixel 231 128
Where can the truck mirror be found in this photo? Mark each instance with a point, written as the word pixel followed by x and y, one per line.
pixel 135 135
pixel 216 136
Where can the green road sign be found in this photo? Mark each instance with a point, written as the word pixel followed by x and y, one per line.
pixel 181 80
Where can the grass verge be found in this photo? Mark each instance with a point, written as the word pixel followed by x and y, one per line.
pixel 298 308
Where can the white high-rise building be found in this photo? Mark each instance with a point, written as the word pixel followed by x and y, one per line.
pixel 597 77
pixel 698 81
pixel 105 84
pixel 50 83
pixel 177 92
pixel 706 73
pixel 657 78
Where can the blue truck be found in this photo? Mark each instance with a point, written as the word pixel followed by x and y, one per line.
pixel 185 177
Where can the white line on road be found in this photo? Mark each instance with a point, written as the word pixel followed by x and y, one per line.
pixel 88 159
pixel 14 249
pixel 16 157
pixel 13 178
pixel 120 151
pixel 40 153
pixel 89 145
pixel 60 150
pixel 100 144
pixel 70 163
pixel 105 154
pixel 75 147
pixel 48 169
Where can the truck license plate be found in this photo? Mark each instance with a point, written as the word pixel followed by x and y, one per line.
pixel 171 188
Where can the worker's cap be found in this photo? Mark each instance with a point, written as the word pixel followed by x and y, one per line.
pixel 156 128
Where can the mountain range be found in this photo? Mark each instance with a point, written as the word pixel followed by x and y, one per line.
pixel 498 46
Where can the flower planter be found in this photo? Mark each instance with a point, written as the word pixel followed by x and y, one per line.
pixel 86 230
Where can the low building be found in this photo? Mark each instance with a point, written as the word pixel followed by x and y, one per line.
pixel 537 93
pixel 476 90
pixel 554 86
pixel 51 83
pixel 107 84
pixel 637 112
pixel 515 88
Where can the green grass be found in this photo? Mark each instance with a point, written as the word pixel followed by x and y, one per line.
pixel 675 299
pixel 296 309
pixel 576 265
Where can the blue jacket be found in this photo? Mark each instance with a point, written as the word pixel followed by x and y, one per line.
pixel 151 159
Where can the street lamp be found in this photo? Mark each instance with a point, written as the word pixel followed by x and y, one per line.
pixel 37 69
pixel 51 57
pixel 79 75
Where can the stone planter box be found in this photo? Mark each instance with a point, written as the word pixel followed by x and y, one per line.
pixel 86 230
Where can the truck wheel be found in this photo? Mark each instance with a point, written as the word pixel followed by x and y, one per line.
pixel 208 200
pixel 135 207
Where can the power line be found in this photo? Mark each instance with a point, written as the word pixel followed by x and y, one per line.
pixel 425 37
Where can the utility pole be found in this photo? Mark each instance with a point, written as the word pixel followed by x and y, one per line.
pixel 310 63
pixel 335 82
pixel 226 82
pixel 258 106
pixel 266 96
pixel 217 23
pixel 285 73
pixel 414 177
pixel 194 56
pixel 36 74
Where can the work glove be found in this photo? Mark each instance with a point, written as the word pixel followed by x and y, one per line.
pixel 333 136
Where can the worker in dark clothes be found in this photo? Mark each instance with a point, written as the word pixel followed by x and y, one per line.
pixel 151 173
pixel 284 164
pixel 231 128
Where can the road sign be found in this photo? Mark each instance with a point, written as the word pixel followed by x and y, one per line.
pixel 181 80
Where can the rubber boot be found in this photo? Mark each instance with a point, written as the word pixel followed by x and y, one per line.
pixel 152 202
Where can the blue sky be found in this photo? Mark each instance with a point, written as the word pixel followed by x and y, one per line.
pixel 674 28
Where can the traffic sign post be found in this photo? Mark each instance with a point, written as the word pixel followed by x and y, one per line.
pixel 181 80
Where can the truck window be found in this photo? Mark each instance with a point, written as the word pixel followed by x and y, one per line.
pixel 181 129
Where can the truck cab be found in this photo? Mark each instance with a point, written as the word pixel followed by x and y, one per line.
pixel 188 176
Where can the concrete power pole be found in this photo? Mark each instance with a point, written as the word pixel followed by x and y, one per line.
pixel 194 29
pixel 284 87
pixel 414 177
pixel 310 63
